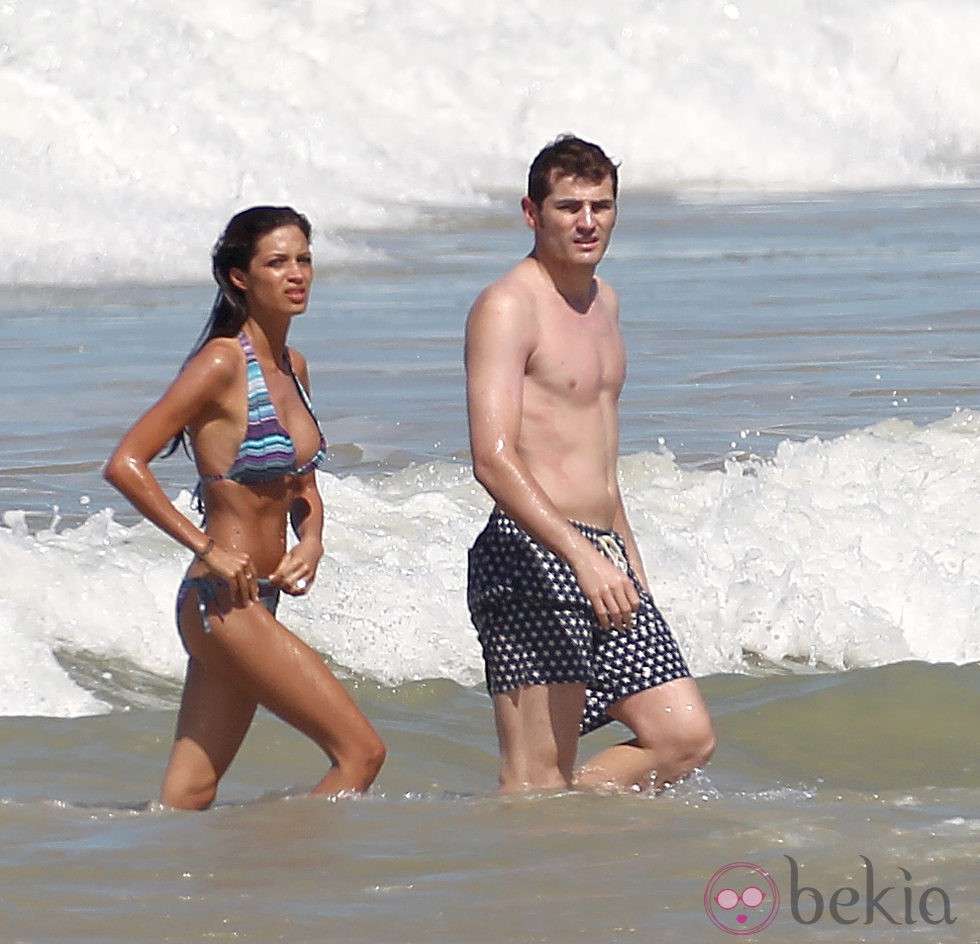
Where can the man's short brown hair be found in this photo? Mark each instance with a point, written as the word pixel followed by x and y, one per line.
pixel 570 157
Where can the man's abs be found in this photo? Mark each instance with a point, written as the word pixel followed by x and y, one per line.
pixel 573 460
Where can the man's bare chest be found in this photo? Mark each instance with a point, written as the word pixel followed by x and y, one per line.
pixel 579 364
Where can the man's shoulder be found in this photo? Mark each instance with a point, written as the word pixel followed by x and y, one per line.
pixel 512 288
pixel 607 294
pixel 510 299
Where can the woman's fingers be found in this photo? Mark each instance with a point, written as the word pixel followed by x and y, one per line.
pixel 294 575
pixel 237 571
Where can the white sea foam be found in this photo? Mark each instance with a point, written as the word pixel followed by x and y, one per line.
pixel 130 130
pixel 864 550
pixel 859 551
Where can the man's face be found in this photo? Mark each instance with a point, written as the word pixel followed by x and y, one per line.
pixel 575 221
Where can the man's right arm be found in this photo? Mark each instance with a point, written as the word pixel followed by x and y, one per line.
pixel 501 335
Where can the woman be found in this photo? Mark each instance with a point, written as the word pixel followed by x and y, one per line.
pixel 242 401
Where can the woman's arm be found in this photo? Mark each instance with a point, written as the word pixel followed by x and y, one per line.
pixel 297 569
pixel 193 395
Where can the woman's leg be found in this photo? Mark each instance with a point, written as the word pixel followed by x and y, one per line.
pixel 289 678
pixel 214 717
pixel 247 659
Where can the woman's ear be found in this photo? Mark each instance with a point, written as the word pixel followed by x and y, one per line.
pixel 238 279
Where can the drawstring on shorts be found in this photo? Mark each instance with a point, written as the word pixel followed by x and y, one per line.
pixel 610 548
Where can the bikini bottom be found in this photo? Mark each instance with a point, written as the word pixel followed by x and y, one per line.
pixel 207 589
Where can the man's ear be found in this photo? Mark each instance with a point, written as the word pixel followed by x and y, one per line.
pixel 530 210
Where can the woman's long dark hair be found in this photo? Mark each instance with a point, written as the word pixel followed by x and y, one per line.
pixel 235 248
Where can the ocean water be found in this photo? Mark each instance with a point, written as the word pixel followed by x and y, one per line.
pixel 796 259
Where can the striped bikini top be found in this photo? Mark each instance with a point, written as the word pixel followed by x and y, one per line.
pixel 267 452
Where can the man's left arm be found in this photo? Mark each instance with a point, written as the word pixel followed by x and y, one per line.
pixel 622 526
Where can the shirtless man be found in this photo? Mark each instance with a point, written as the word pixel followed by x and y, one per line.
pixel 557 590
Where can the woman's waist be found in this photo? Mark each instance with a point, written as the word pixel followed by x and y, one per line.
pixel 265 548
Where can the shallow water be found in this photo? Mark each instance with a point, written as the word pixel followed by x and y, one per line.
pixel 431 856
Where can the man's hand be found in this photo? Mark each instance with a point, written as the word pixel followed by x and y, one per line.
pixel 608 589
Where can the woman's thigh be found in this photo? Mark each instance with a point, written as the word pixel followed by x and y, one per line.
pixel 215 715
pixel 253 659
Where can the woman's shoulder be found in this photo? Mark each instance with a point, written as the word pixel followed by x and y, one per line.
pixel 298 365
pixel 219 359
pixel 296 360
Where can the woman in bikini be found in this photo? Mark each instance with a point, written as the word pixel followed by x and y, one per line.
pixel 241 399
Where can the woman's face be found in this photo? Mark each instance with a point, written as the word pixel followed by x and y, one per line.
pixel 279 275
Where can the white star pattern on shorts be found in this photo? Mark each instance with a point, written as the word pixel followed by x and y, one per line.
pixel 537 628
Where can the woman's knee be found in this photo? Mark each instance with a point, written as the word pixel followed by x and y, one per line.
pixel 363 759
pixel 182 794
pixel 374 756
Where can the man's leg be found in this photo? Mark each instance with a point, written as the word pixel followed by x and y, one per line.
pixel 537 729
pixel 674 735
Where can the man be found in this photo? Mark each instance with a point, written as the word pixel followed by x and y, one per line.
pixel 557 591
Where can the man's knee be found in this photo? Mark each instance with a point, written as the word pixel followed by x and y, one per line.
pixel 691 745
pixel 700 744
pixel 685 743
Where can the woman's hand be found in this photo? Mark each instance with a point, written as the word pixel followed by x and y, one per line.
pixel 296 571
pixel 235 569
